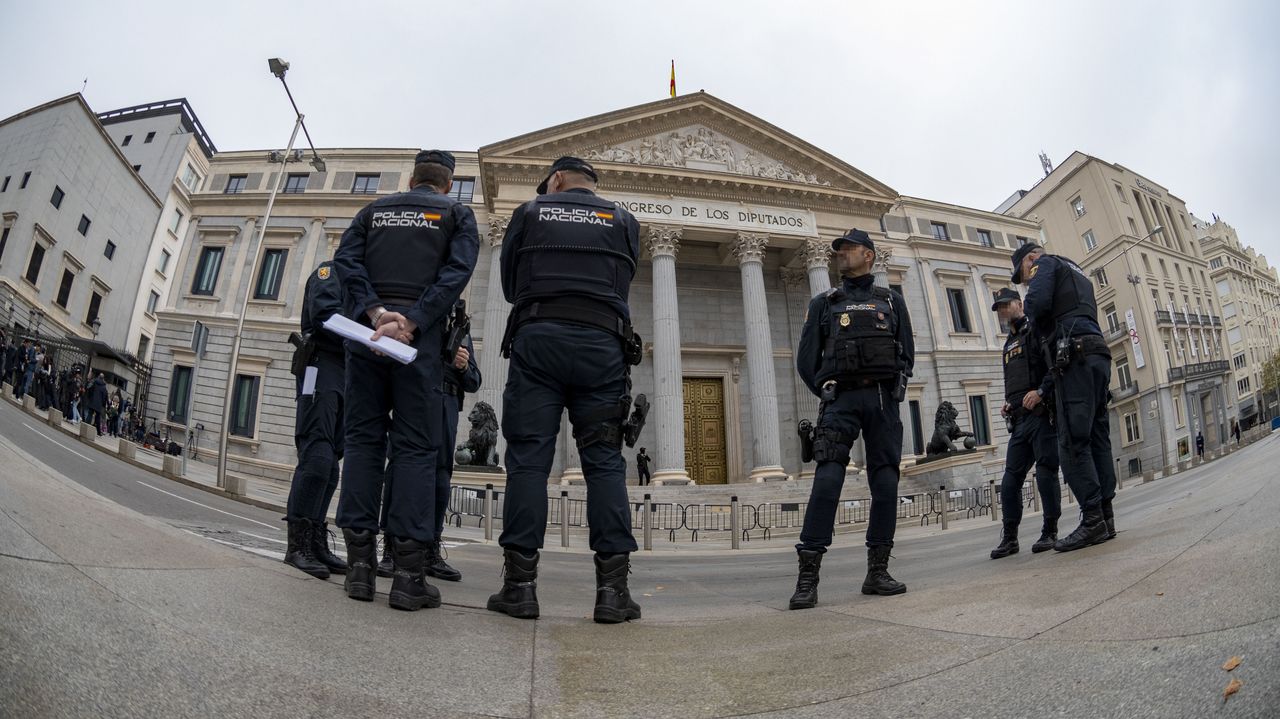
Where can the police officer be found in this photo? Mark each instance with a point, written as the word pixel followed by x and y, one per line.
pixel 1028 406
pixel 404 261
pixel 568 259
pixel 1060 301
pixel 461 375
pixel 319 366
pixel 856 352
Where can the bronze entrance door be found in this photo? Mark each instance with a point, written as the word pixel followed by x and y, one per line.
pixel 704 425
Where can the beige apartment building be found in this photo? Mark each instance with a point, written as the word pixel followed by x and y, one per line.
pixel 1249 293
pixel 1157 306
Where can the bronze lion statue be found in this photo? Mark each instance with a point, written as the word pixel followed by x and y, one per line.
pixel 945 430
pixel 482 440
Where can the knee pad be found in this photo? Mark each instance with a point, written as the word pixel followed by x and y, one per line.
pixel 830 445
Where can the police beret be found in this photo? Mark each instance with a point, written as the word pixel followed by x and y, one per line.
pixel 568 162
pixel 1006 294
pixel 1018 254
pixel 438 157
pixel 854 237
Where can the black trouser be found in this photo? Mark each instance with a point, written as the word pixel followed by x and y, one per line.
pixel 392 423
pixel 872 412
pixel 644 476
pixel 318 436
pixel 1034 440
pixel 555 367
pixel 1084 430
pixel 444 460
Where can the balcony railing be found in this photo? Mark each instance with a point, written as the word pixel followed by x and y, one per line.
pixel 1188 319
pixel 1128 390
pixel 1198 369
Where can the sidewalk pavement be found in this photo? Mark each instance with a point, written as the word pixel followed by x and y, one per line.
pixel 110 613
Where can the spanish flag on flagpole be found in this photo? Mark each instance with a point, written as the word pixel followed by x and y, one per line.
pixel 673 78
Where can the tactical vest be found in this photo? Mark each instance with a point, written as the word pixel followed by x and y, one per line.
pixel 574 244
pixel 1018 376
pixel 408 242
pixel 861 342
pixel 1072 294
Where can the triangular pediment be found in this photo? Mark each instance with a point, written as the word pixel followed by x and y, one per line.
pixel 696 133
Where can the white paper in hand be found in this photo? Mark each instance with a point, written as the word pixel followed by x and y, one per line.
pixel 356 332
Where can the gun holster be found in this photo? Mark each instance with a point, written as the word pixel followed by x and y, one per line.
pixel 635 423
pixel 304 351
pixel 805 429
pixel 633 351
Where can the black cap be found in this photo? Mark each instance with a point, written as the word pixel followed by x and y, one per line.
pixel 438 157
pixel 1018 254
pixel 854 237
pixel 569 162
pixel 1006 294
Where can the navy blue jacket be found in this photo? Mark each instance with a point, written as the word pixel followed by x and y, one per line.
pixel 817 325
pixel 439 297
pixel 513 240
pixel 1039 301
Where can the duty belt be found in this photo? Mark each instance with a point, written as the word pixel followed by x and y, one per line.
pixel 453 389
pixel 582 312
pixel 848 384
pixel 1092 345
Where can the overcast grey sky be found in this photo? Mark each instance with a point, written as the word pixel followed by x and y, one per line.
pixel 950 101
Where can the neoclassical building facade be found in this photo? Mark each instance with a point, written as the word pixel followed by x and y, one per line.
pixel 737 218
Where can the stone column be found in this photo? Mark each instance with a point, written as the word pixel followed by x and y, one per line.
pixel 766 450
pixel 797 283
pixel 816 254
pixel 493 368
pixel 668 388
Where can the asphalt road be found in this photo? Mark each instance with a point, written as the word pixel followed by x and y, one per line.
pixel 122 599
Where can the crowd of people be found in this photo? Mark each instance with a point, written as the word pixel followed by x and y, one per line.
pixel 31 370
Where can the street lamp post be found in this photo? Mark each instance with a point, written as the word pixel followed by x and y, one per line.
pixel 278 68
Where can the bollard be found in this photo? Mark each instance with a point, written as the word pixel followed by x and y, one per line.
pixel 1035 499
pixel 488 513
pixel 942 494
pixel 992 484
pixel 564 518
pixel 647 522
pixel 735 523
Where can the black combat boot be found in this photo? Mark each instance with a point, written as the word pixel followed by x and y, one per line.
pixel 1008 542
pixel 1092 530
pixel 362 556
pixel 1048 535
pixel 613 600
pixel 1109 516
pixel 409 588
pixel 519 594
pixel 878 580
pixel 386 568
pixel 320 545
pixel 806 595
pixel 437 567
pixel 300 551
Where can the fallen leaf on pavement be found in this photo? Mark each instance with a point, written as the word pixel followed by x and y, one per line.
pixel 1232 688
pixel 1232 663
pixel 1159 594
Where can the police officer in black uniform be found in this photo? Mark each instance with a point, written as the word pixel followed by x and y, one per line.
pixel 568 259
pixel 461 375
pixel 404 262
pixel 1028 406
pixel 318 366
pixel 856 353
pixel 1060 301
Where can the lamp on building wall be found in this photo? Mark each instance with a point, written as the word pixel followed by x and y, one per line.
pixel 96 326
pixel 278 68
